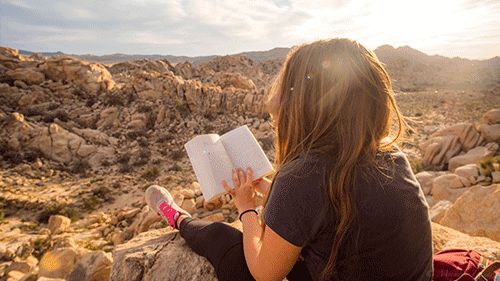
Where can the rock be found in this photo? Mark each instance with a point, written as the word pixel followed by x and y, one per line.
pixel 476 212
pixel 213 205
pixel 437 211
pixel 495 176
pixel 14 275
pixel 445 144
pixel 60 262
pixel 490 133
pixel 491 117
pixel 195 186
pixel 472 157
pixel 108 118
pixel 446 187
pixel 92 77
pixel 467 171
pixel 444 238
pixel 147 219
pixel 439 150
pixel 425 179
pixel 217 217
pixel 156 255
pixel 30 76
pixel 92 266
pixel 199 201
pixel 58 224
pixel 23 266
pixel 33 97
pixel 187 193
pixel 234 79
pixel 189 205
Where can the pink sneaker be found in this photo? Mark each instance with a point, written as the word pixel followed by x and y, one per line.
pixel 161 202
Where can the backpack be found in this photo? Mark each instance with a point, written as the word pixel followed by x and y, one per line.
pixel 464 265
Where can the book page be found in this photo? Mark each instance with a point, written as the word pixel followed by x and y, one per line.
pixel 209 161
pixel 245 151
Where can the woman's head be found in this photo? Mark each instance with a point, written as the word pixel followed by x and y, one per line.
pixel 334 96
pixel 331 95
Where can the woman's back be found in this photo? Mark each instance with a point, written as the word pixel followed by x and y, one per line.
pixel 390 240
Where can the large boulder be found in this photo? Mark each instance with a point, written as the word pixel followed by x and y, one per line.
pixel 94 266
pixel 444 238
pixel 490 133
pixel 30 76
pixel 448 187
pixel 425 179
pixel 93 77
pixel 491 117
pixel 476 212
pixel 159 255
pixel 60 262
pixel 53 141
pixel 447 143
pixel 473 156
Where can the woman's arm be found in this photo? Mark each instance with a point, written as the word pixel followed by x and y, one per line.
pixel 273 257
pixel 263 186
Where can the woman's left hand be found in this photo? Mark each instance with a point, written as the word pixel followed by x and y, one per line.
pixel 244 189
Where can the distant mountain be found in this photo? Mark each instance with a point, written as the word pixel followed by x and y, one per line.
pixel 410 69
pixel 116 58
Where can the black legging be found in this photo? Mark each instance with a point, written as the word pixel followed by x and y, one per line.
pixel 222 245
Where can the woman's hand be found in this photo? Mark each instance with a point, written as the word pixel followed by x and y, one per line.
pixel 244 188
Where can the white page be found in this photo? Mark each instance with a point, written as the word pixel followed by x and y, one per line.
pixel 221 167
pixel 245 151
pixel 205 153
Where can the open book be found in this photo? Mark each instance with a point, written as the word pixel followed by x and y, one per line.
pixel 214 157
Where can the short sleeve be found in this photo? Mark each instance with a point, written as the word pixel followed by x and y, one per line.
pixel 296 201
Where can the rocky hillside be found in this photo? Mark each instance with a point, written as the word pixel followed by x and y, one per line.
pixel 411 70
pixel 80 142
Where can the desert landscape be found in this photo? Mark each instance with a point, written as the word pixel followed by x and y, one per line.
pixel 82 137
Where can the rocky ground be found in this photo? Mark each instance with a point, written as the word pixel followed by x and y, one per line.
pixel 81 142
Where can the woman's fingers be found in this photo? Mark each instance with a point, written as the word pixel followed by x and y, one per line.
pixel 236 180
pixel 226 187
pixel 241 175
pixel 249 175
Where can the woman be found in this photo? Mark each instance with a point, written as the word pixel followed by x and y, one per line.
pixel 344 203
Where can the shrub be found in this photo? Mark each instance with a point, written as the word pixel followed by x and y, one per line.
pixel 177 154
pixel 90 204
pixel 151 174
pixel 416 166
pixel 113 100
pixel 125 168
pixel 144 108
pixel 13 157
pixel 175 167
pixel 80 167
pixel 165 138
pixel 123 159
pixel 487 164
pixel 58 209
pixel 62 115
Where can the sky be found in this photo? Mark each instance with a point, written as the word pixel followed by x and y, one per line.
pixel 463 28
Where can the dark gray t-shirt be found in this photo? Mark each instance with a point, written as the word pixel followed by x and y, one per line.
pixel 392 239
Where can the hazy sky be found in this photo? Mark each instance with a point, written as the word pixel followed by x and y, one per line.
pixel 465 28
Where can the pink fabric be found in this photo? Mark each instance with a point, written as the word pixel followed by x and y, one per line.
pixel 169 213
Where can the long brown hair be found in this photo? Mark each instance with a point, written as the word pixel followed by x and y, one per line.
pixel 333 96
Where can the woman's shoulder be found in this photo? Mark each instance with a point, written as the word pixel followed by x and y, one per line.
pixel 312 162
